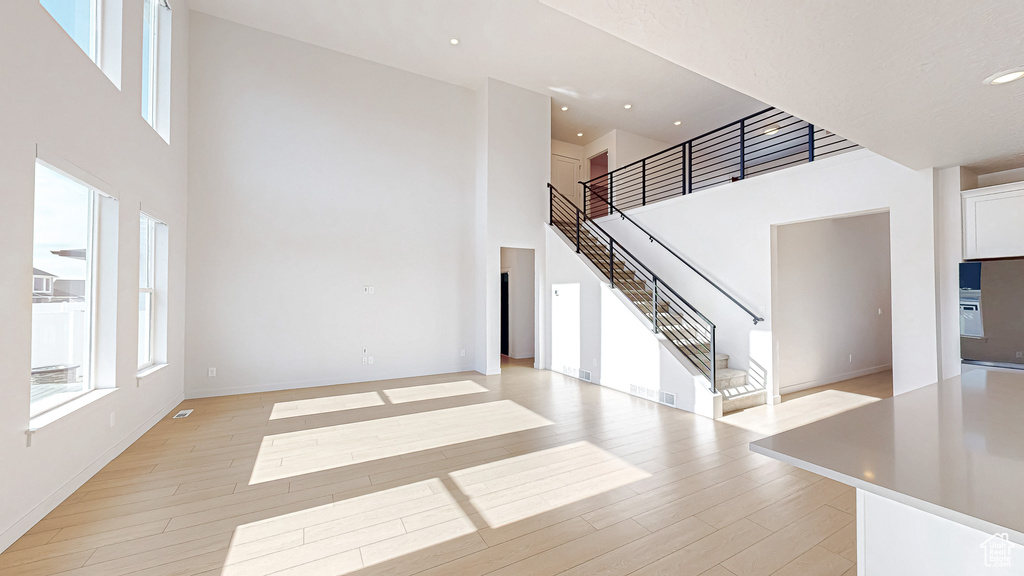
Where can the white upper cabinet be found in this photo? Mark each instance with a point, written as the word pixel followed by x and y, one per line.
pixel 994 221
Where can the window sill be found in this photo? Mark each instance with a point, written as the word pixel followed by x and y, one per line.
pixel 151 369
pixel 49 417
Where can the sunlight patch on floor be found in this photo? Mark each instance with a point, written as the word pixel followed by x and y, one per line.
pixel 433 391
pixel 797 412
pixel 348 535
pixel 516 488
pixel 292 454
pixel 311 406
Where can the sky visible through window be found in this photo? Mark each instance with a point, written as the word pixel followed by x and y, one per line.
pixel 149 14
pixel 61 223
pixel 75 17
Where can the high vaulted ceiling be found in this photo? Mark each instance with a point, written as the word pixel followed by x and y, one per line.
pixel 522 42
pixel 903 78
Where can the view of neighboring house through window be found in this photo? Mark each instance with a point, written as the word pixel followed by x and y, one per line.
pixel 62 295
pixel 78 19
pixel 147 292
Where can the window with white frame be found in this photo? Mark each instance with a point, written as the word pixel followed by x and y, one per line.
pixel 80 19
pixel 156 39
pixel 152 291
pixel 63 295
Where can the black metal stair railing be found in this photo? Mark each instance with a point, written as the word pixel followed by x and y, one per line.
pixel 668 313
pixel 697 271
pixel 764 142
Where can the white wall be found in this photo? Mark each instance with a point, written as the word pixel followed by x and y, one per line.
pixel 727 231
pixel 948 255
pixel 830 300
pixel 313 174
pixel 56 99
pixel 997 178
pixel 623 148
pixel 618 348
pixel 513 169
pixel 631 147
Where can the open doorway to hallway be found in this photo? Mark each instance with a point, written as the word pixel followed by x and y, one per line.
pixel 597 203
pixel 518 303
pixel 831 313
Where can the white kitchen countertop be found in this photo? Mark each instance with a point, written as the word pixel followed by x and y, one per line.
pixel 954 449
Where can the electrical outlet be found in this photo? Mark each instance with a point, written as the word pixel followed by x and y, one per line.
pixel 364 359
pixel 371 289
pixel 1020 354
pixel 879 311
pixel 463 352
pixel 371 359
pixel 211 372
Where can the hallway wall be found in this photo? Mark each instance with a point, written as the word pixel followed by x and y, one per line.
pixel 830 300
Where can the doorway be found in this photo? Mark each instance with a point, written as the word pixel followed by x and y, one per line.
pixel 504 313
pixel 565 176
pixel 518 308
pixel 597 203
pixel 831 295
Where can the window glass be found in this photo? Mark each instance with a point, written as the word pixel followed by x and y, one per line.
pixel 150 29
pixel 62 309
pixel 78 19
pixel 147 290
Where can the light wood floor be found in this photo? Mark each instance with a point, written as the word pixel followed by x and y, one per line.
pixel 529 472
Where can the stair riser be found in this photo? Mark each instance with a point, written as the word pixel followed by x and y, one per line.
pixel 743 402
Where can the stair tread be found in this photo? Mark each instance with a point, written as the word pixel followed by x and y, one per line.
pixel 726 373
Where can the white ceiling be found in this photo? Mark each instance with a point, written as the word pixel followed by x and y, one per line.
pixel 522 42
pixel 903 78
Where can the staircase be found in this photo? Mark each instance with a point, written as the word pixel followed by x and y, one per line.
pixel 670 315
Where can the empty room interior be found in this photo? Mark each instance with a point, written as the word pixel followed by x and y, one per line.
pixel 511 287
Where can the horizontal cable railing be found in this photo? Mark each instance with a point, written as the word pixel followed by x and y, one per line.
pixel 668 312
pixel 764 142
pixel 703 276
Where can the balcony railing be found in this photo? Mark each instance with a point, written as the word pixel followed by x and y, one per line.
pixel 764 142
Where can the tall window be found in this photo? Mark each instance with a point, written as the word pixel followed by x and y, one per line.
pixel 153 244
pixel 147 290
pixel 62 289
pixel 156 27
pixel 79 19
pixel 150 62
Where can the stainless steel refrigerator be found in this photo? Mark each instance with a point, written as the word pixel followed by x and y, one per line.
pixel 992 312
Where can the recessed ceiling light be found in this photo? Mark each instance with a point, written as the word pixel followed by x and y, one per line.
pixel 454 41
pixel 628 106
pixel 580 134
pixel 771 129
pixel 677 122
pixel 1006 76
pixel 564 108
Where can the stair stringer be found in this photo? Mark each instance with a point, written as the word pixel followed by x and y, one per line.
pixel 679 375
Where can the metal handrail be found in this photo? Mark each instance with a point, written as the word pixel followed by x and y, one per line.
pixel 651 237
pixel 638 261
pixel 776 116
pixel 688 330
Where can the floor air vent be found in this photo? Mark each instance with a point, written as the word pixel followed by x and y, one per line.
pixel 585 375
pixel 668 398
pixel 182 414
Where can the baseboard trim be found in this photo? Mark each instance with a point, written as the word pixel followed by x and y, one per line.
pixel 279 386
pixel 833 379
pixel 23 525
